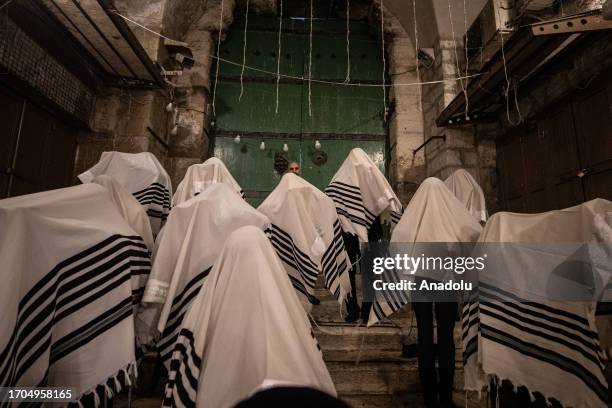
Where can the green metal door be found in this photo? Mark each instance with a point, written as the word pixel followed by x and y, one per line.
pixel 340 116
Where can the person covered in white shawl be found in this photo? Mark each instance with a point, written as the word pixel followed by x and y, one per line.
pixel 522 325
pixel 434 215
pixel 143 176
pixel 361 193
pixel 129 207
pixel 469 192
pixel 307 236
pixel 245 330
pixel 363 198
pixel 192 240
pixel 201 176
pixel 73 272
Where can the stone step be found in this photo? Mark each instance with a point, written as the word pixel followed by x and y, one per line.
pixel 374 378
pixel 350 343
pixel 410 400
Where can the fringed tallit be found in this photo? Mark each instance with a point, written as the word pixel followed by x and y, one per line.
pixel 192 239
pixel 129 207
pixel 307 236
pixel 433 215
pixel 245 328
pixel 515 329
pixel 361 193
pixel 201 176
pixel 143 176
pixel 468 191
pixel 73 272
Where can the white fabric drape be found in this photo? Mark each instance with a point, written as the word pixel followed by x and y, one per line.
pixel 245 328
pixel 201 176
pixel 468 191
pixel 73 271
pixel 515 329
pixel 143 176
pixel 191 242
pixel 361 193
pixel 129 207
pixel 307 236
pixel 433 215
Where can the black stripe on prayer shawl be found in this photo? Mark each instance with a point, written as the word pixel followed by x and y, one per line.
pixel 350 206
pixel 387 302
pixel 182 381
pixel 180 305
pixel 293 256
pixel 157 214
pixel 332 271
pixel 521 321
pixel 59 293
pixel 91 330
pixel 547 356
pixel 554 315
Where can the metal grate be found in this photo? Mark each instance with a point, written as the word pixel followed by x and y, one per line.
pixel 22 57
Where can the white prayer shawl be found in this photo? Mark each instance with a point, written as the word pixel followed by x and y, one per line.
pixel 433 215
pixel 361 193
pixel 191 242
pixel 547 346
pixel 129 207
pixel 143 176
pixel 307 236
pixel 468 191
pixel 73 271
pixel 245 328
pixel 201 176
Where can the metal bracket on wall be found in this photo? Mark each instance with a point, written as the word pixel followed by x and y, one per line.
pixel 573 24
pixel 415 151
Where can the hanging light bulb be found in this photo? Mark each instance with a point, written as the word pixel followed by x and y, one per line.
pixel 169 107
pixel 285 148
pixel 174 130
pixel 262 146
pixel 237 139
pixel 317 145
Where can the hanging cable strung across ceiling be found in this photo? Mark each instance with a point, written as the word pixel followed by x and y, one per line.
pixel 244 49
pixel 310 63
pixel 280 33
pixel 218 62
pixel 305 78
pixel 384 60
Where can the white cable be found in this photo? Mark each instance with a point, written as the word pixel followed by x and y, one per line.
pixel 280 32
pixel 348 41
pixel 382 36
pixel 452 25
pixel 416 46
pixel 244 48
pixel 467 60
pixel 320 81
pixel 310 63
pixel 218 60
pixel 6 4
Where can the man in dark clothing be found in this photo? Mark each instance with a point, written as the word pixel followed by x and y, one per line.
pixel 437 387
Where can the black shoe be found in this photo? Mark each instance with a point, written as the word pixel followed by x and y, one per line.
pixel 352 317
pixel 315 300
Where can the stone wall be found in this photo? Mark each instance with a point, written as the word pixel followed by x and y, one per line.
pixel 405 119
pixel 471 147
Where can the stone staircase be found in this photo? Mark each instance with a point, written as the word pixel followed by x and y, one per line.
pixel 365 364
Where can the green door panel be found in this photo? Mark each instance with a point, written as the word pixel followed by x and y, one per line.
pixel 343 109
pixel 261 51
pixel 329 58
pixel 256 110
